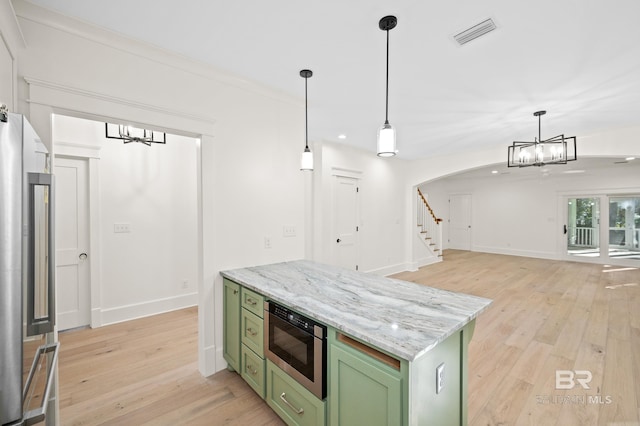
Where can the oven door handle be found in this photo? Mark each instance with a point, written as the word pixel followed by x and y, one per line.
pixel 298 411
pixel 37 415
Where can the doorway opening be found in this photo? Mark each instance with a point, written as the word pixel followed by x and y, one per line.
pixel 139 236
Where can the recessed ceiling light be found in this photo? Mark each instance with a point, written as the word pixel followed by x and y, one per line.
pixel 494 172
pixel 630 158
pixel 342 136
pixel 571 172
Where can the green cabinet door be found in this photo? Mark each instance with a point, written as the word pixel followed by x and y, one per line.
pixel 361 393
pixel 231 329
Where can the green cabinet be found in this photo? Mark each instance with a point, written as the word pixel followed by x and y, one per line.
pixel 231 328
pixel 252 330
pixel 253 302
pixel 253 370
pixel 291 401
pixel 367 387
pixel 251 336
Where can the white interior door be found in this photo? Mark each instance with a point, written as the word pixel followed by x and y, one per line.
pixel 72 244
pixel 345 222
pixel 460 221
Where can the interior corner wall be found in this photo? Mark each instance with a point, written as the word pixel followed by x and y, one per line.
pixel 251 183
pixel 381 233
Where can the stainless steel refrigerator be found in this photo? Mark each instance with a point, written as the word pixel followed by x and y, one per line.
pixel 28 350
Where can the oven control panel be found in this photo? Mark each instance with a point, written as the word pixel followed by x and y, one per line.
pixel 294 318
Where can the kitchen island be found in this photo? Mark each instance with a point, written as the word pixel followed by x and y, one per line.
pixel 397 350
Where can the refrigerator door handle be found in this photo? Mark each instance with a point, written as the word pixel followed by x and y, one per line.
pixel 39 414
pixel 40 310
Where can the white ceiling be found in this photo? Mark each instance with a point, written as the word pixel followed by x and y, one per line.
pixel 577 59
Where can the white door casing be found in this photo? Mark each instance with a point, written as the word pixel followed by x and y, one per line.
pixel 72 243
pixel 345 222
pixel 460 221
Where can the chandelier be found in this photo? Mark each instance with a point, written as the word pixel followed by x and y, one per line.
pixel 556 150
pixel 130 134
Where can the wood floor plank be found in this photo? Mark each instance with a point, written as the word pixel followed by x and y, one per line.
pixel 546 316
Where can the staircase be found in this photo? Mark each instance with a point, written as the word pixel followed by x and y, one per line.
pixel 429 227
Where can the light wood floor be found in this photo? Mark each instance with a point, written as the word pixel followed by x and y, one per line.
pixel 546 316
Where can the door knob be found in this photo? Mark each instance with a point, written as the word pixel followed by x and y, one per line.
pixel 338 240
pixel 82 256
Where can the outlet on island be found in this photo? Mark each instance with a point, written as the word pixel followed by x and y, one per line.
pixel 439 378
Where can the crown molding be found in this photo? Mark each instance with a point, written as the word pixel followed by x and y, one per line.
pixel 31 12
pixel 113 99
pixel 74 101
pixel 10 31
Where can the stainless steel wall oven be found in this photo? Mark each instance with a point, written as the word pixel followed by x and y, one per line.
pixel 298 345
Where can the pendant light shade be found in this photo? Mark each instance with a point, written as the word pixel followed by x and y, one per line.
pixel 306 162
pixel 386 140
pixel 386 133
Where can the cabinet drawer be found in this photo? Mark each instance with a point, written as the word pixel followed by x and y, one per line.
pixel 252 332
pixel 291 401
pixel 253 302
pixel 253 370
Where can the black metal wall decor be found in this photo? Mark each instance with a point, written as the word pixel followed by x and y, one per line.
pixel 556 150
pixel 130 134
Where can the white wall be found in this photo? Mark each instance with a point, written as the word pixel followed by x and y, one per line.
pixel 381 235
pixel 153 189
pixel 11 41
pixel 249 182
pixel 523 216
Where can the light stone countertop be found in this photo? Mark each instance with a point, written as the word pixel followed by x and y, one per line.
pixel 403 318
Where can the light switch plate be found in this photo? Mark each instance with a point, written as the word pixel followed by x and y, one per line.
pixel 439 378
pixel 289 231
pixel 121 228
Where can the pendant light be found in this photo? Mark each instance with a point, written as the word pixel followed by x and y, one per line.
pixel 306 162
pixel 386 133
pixel 556 150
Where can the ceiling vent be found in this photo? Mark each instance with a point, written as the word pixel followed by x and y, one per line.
pixel 474 32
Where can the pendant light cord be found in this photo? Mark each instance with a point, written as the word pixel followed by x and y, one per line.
pixel 386 111
pixel 306 124
pixel 539 114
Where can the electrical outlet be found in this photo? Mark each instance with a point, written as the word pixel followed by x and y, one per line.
pixel 185 284
pixel 439 378
pixel 267 242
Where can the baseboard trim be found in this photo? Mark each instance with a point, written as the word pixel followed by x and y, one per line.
pixel 145 309
pixel 424 262
pixel 212 361
pixel 511 252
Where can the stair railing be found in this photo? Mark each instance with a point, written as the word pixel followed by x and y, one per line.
pixel 429 225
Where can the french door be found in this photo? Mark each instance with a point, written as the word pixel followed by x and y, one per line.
pixel 603 228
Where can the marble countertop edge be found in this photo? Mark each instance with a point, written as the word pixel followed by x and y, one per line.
pixel 407 324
